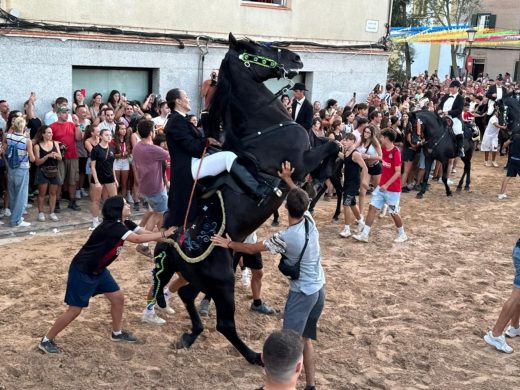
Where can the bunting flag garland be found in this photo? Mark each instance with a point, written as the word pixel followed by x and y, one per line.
pixel 454 35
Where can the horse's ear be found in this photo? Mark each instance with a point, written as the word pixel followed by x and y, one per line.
pixel 232 41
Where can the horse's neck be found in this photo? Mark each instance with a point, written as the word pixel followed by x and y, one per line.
pixel 259 107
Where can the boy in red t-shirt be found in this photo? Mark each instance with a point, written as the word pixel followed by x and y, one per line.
pixel 389 189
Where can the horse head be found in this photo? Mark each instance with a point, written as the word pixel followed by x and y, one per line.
pixel 265 61
pixel 426 124
pixel 509 113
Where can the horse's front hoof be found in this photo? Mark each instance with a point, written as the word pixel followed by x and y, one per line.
pixel 449 193
pixel 256 359
pixel 467 189
pixel 419 195
pixel 184 342
pixel 459 189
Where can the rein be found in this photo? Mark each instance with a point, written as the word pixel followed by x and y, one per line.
pixel 193 187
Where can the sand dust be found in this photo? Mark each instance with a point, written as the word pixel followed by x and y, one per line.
pixel 407 316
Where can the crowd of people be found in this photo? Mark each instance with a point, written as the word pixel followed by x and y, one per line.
pixel 119 152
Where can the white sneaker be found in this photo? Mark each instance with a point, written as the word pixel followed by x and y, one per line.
pixel 360 227
pixel 41 217
pixel 495 164
pixel 449 182
pixel 401 238
pixel 23 224
pixel 129 198
pixel 498 342
pixel 512 332
pixel 487 163
pixel 28 206
pixel 246 277
pixel 152 318
pixel 53 217
pixel 502 196
pixel 168 309
pixel 95 222
pixel 7 212
pixel 345 232
pixel 78 194
pixel 361 237
pixel 84 192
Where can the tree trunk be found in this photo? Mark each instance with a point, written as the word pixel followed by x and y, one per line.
pixel 453 50
pixel 408 60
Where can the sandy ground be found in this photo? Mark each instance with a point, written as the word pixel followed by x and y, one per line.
pixel 408 316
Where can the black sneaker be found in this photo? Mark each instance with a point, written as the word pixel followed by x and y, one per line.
pixel 57 209
pixel 74 206
pixel 124 336
pixel 48 347
pixel 405 189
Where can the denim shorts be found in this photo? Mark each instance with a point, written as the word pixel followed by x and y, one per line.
pixel 391 198
pixel 516 263
pixel 81 286
pixel 158 201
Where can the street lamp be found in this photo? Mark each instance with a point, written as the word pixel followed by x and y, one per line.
pixel 471 37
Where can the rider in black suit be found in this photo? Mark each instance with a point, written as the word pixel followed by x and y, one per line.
pixel 305 112
pixel 452 104
pixel 186 145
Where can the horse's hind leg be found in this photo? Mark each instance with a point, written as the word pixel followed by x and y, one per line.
pixel 188 294
pixel 445 166
pixel 427 170
pixel 467 171
pixel 225 307
pixel 314 200
pixel 461 181
pixel 336 182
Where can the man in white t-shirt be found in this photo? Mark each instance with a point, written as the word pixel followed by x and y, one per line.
pixel 109 123
pixel 52 115
pixel 490 140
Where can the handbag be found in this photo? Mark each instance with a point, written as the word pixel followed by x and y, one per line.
pixel 293 271
pixel 50 171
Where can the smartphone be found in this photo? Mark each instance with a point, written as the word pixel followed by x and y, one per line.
pixel 83 92
pixel 354 94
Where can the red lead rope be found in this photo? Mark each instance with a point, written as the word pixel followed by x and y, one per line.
pixel 193 190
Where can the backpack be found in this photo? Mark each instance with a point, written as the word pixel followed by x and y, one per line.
pixel 12 156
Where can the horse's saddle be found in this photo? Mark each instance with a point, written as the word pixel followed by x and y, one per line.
pixel 194 243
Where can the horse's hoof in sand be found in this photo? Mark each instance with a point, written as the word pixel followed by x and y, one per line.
pixel 459 189
pixel 467 189
pixel 449 194
pixel 419 195
pixel 255 359
pixel 184 342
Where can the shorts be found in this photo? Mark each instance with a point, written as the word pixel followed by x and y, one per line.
pixel 409 154
pixel 253 261
pixel 82 165
pixel 69 171
pixel 40 178
pixel 349 200
pixel 513 168
pixel 121 164
pixel 302 312
pixel 375 170
pixel 391 198
pixel 158 201
pixel 516 263
pixel 489 144
pixel 81 286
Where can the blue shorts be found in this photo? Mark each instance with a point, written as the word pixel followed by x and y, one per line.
pixel 516 263
pixel 379 199
pixel 81 286
pixel 158 201
pixel 302 312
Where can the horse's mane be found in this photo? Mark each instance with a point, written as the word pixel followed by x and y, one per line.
pixel 223 105
pixel 433 115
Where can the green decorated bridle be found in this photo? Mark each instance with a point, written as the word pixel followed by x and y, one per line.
pixel 265 62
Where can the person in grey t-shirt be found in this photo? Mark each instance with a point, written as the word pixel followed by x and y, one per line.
pixel 307 294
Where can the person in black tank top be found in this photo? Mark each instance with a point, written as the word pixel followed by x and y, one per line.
pixel 355 174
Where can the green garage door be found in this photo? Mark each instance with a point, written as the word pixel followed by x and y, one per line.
pixel 136 83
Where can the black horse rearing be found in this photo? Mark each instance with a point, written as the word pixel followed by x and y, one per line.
pixel 258 127
pixel 440 146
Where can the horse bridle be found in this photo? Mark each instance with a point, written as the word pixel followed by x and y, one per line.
pixel 270 63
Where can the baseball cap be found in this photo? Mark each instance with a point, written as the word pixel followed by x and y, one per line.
pixel 62 110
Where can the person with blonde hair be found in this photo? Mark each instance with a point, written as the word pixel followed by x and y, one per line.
pixel 19 156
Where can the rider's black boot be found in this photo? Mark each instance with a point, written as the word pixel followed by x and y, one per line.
pixel 460 145
pixel 258 191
